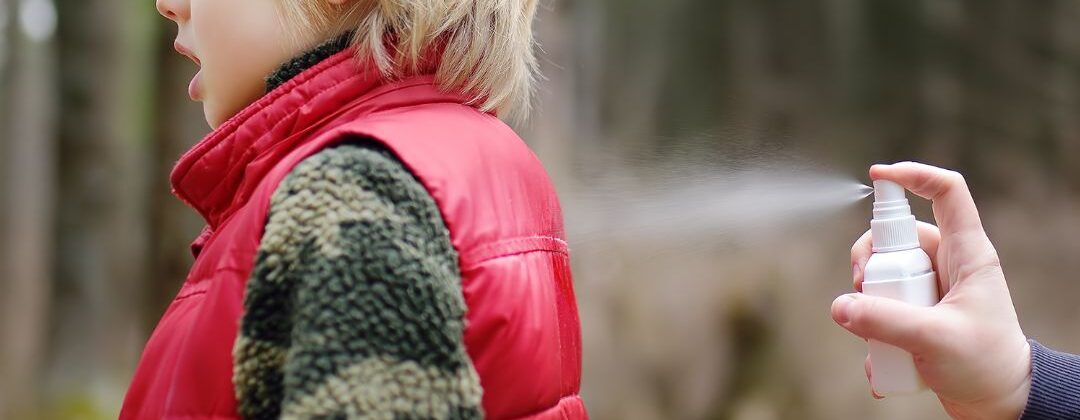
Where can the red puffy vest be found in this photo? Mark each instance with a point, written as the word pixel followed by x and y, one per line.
pixel 523 333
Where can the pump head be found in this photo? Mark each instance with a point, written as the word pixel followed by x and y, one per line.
pixel 893 227
pixel 885 190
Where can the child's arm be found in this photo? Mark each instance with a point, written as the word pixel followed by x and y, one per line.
pixel 355 304
pixel 969 348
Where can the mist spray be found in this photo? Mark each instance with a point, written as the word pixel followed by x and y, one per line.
pixel 898 269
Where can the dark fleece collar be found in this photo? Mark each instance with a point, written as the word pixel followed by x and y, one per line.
pixel 305 60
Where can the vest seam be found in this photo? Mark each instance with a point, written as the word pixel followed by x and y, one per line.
pixel 510 247
pixel 199 285
pixel 476 264
pixel 190 294
pixel 557 404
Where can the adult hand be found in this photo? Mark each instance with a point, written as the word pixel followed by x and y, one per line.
pixel 969 348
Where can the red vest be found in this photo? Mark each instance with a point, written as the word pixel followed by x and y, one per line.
pixel 523 333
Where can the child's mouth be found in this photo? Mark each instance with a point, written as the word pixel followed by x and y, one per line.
pixel 195 87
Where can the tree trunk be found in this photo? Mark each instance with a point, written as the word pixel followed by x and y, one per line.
pixel 1064 88
pixel 28 174
pixel 102 222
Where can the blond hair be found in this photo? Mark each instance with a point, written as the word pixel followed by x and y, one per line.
pixel 486 45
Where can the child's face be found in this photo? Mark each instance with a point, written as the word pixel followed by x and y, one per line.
pixel 236 43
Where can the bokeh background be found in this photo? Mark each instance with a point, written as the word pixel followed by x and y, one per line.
pixel 679 323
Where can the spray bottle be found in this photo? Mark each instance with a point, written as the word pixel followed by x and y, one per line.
pixel 898 269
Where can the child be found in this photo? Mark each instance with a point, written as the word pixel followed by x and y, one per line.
pixel 378 244
pixel 968 348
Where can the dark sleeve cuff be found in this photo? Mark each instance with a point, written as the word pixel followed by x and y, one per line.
pixel 1055 385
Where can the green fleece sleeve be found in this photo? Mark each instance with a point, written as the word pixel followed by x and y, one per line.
pixel 354 307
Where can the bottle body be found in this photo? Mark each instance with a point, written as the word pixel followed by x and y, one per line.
pixel 905 275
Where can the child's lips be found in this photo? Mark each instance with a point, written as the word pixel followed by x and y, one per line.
pixel 184 51
pixel 195 87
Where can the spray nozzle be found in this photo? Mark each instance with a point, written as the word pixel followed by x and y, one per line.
pixel 888 191
pixel 893 227
pixel 890 200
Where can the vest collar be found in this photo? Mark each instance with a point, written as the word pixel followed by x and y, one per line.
pixel 220 172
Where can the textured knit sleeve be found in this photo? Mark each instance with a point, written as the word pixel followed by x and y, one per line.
pixel 1055 385
pixel 354 308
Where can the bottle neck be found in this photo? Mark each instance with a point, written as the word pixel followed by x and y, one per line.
pixel 894 233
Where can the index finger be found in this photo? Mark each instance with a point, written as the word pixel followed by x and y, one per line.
pixel 954 209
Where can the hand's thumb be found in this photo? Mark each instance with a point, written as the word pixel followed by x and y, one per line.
pixel 886 320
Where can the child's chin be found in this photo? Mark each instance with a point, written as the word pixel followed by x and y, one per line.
pixel 212 120
pixel 217 111
pixel 215 115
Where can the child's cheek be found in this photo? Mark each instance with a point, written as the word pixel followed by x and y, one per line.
pixel 239 43
pixel 226 92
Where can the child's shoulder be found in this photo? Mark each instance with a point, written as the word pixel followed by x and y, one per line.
pixel 355 163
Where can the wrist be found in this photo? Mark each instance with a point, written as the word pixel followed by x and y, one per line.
pixel 1017 401
pixel 1008 403
pixel 1012 405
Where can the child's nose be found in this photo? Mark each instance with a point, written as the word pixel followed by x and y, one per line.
pixel 174 10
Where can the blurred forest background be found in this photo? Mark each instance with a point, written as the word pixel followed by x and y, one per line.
pixel 678 323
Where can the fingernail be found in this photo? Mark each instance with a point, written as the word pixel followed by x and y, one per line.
pixel 855 271
pixel 841 306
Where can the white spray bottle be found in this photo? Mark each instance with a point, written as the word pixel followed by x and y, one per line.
pixel 898 269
